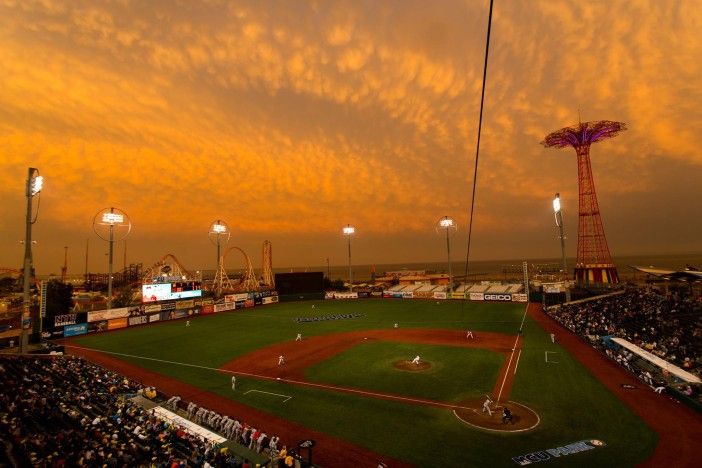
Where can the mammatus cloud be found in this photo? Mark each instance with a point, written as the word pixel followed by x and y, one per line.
pixel 294 118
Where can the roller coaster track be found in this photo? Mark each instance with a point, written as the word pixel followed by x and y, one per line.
pixel 248 281
pixel 174 268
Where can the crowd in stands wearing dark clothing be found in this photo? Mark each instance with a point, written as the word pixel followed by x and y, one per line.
pixel 65 411
pixel 669 326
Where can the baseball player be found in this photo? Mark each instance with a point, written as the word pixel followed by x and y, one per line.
pixel 298 337
pixel 553 337
pixel 233 382
pixel 187 323
pixel 469 334
pixel 486 406
pixel 415 360
pixel 281 360
pixel 507 416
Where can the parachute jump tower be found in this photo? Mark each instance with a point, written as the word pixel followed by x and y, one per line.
pixel 594 264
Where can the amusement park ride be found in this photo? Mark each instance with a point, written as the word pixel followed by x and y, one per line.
pixel 594 265
pixel 169 269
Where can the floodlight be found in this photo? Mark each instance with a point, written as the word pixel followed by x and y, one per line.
pixel 557 203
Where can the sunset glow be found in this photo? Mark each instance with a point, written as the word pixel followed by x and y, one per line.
pixel 291 119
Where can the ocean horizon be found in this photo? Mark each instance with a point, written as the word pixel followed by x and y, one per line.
pixel 477 270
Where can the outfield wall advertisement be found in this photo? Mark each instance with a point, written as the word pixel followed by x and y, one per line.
pixel 75 330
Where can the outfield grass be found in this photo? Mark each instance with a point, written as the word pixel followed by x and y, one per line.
pixel 572 404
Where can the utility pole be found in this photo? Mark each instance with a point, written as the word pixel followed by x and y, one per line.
pixel 64 269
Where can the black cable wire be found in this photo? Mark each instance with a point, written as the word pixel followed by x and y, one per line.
pixel 477 148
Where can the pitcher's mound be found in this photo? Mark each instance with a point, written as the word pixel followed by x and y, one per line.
pixel 523 417
pixel 408 366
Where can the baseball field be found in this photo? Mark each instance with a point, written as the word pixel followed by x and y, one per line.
pixel 350 385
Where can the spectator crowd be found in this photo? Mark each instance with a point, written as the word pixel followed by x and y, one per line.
pixel 63 411
pixel 669 326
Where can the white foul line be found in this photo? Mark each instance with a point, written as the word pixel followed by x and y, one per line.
pixel 287 397
pixel 514 347
pixel 517 364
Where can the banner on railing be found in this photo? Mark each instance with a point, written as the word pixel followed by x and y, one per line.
pixel 520 297
pixel 476 296
pixel 114 324
pixel 236 297
pixel 408 295
pixel 107 314
pixel 498 297
pixel 184 304
pixel 440 295
pixel 139 320
pixel 340 295
pixel 74 330
pixel 223 307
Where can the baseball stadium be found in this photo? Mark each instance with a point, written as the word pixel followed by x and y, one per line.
pixel 290 119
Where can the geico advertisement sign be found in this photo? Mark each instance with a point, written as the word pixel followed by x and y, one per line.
pixel 498 297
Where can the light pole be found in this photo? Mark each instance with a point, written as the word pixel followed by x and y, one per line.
pixel 448 225
pixel 559 223
pixel 35 183
pixel 219 231
pixel 348 231
pixel 105 223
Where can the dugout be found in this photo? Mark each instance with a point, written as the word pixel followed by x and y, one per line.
pixel 300 286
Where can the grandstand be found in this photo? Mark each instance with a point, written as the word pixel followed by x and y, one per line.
pixel 65 411
pixel 657 337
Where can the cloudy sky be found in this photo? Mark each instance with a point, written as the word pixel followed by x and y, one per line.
pixel 289 120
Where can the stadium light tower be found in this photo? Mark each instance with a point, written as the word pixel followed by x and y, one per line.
pixel 448 225
pixel 219 234
pixel 594 262
pixel 349 231
pixel 35 183
pixel 559 223
pixel 111 224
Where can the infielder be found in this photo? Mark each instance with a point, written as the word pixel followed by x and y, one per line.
pixel 469 334
pixel 233 382
pixel 415 360
pixel 298 337
pixel 281 360
pixel 486 406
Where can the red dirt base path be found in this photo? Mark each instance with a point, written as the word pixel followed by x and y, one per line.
pixel 329 451
pixel 299 355
pixel 679 428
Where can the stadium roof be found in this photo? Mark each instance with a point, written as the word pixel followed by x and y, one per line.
pixel 688 274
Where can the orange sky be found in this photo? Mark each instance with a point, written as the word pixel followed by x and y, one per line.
pixel 291 119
